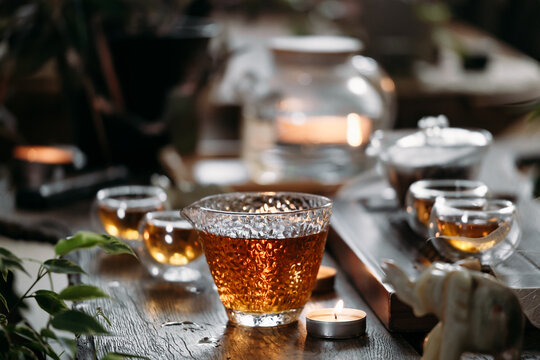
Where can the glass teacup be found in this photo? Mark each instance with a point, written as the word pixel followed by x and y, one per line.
pixel 422 194
pixel 120 209
pixel 264 251
pixel 487 229
pixel 169 245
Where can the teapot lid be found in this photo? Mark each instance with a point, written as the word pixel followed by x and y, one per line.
pixel 434 143
pixel 314 49
pixel 434 132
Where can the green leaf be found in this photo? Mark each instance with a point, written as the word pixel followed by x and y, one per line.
pixel 21 353
pixel 48 333
pixel 50 301
pixel 3 320
pixel 62 266
pixel 33 340
pixel 87 239
pixel 68 344
pixel 81 292
pixel 9 261
pixel 4 341
pixel 112 245
pixel 3 301
pixel 77 322
pixel 121 356
pixel 81 240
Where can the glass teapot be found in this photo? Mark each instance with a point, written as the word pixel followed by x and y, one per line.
pixel 313 119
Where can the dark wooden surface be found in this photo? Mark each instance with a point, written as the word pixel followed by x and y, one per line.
pixel 141 305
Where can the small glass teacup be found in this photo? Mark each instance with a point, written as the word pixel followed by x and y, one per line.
pixel 487 229
pixel 422 194
pixel 120 209
pixel 169 244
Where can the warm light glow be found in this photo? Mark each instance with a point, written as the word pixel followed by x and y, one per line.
pixel 358 129
pixel 43 154
pixel 352 129
pixel 291 104
pixel 387 84
pixel 354 133
pixel 338 309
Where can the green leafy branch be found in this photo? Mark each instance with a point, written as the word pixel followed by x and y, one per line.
pixel 20 341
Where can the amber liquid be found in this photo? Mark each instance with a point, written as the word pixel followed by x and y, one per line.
pixel 123 223
pixel 423 209
pixel 468 230
pixel 175 245
pixel 264 276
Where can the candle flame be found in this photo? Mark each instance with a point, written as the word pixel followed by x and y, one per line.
pixel 337 309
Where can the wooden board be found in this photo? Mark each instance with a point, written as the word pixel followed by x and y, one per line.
pixel 369 227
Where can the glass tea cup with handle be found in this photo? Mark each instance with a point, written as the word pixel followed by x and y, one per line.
pixel 264 250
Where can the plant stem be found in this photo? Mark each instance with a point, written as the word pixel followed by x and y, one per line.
pixel 50 280
pixel 40 276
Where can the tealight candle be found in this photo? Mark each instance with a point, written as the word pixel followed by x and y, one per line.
pixel 336 323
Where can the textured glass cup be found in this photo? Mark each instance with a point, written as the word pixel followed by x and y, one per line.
pixel 264 251
pixel 169 244
pixel 486 229
pixel 422 194
pixel 120 209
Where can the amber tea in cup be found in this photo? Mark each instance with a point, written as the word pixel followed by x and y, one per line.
pixel 169 244
pixel 422 194
pixel 487 229
pixel 120 209
pixel 264 251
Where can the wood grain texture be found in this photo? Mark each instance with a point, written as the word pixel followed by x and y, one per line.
pixel 140 305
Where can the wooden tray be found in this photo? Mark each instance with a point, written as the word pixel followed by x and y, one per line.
pixel 363 234
pixel 368 227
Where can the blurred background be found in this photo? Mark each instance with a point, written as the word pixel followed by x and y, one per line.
pixel 124 89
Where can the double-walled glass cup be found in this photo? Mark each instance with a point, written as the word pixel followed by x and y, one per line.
pixel 486 229
pixel 120 209
pixel 169 245
pixel 422 194
pixel 264 251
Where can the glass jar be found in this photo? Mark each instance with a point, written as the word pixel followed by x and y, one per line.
pixel 313 119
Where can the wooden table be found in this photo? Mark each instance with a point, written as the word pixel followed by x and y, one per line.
pixel 140 305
